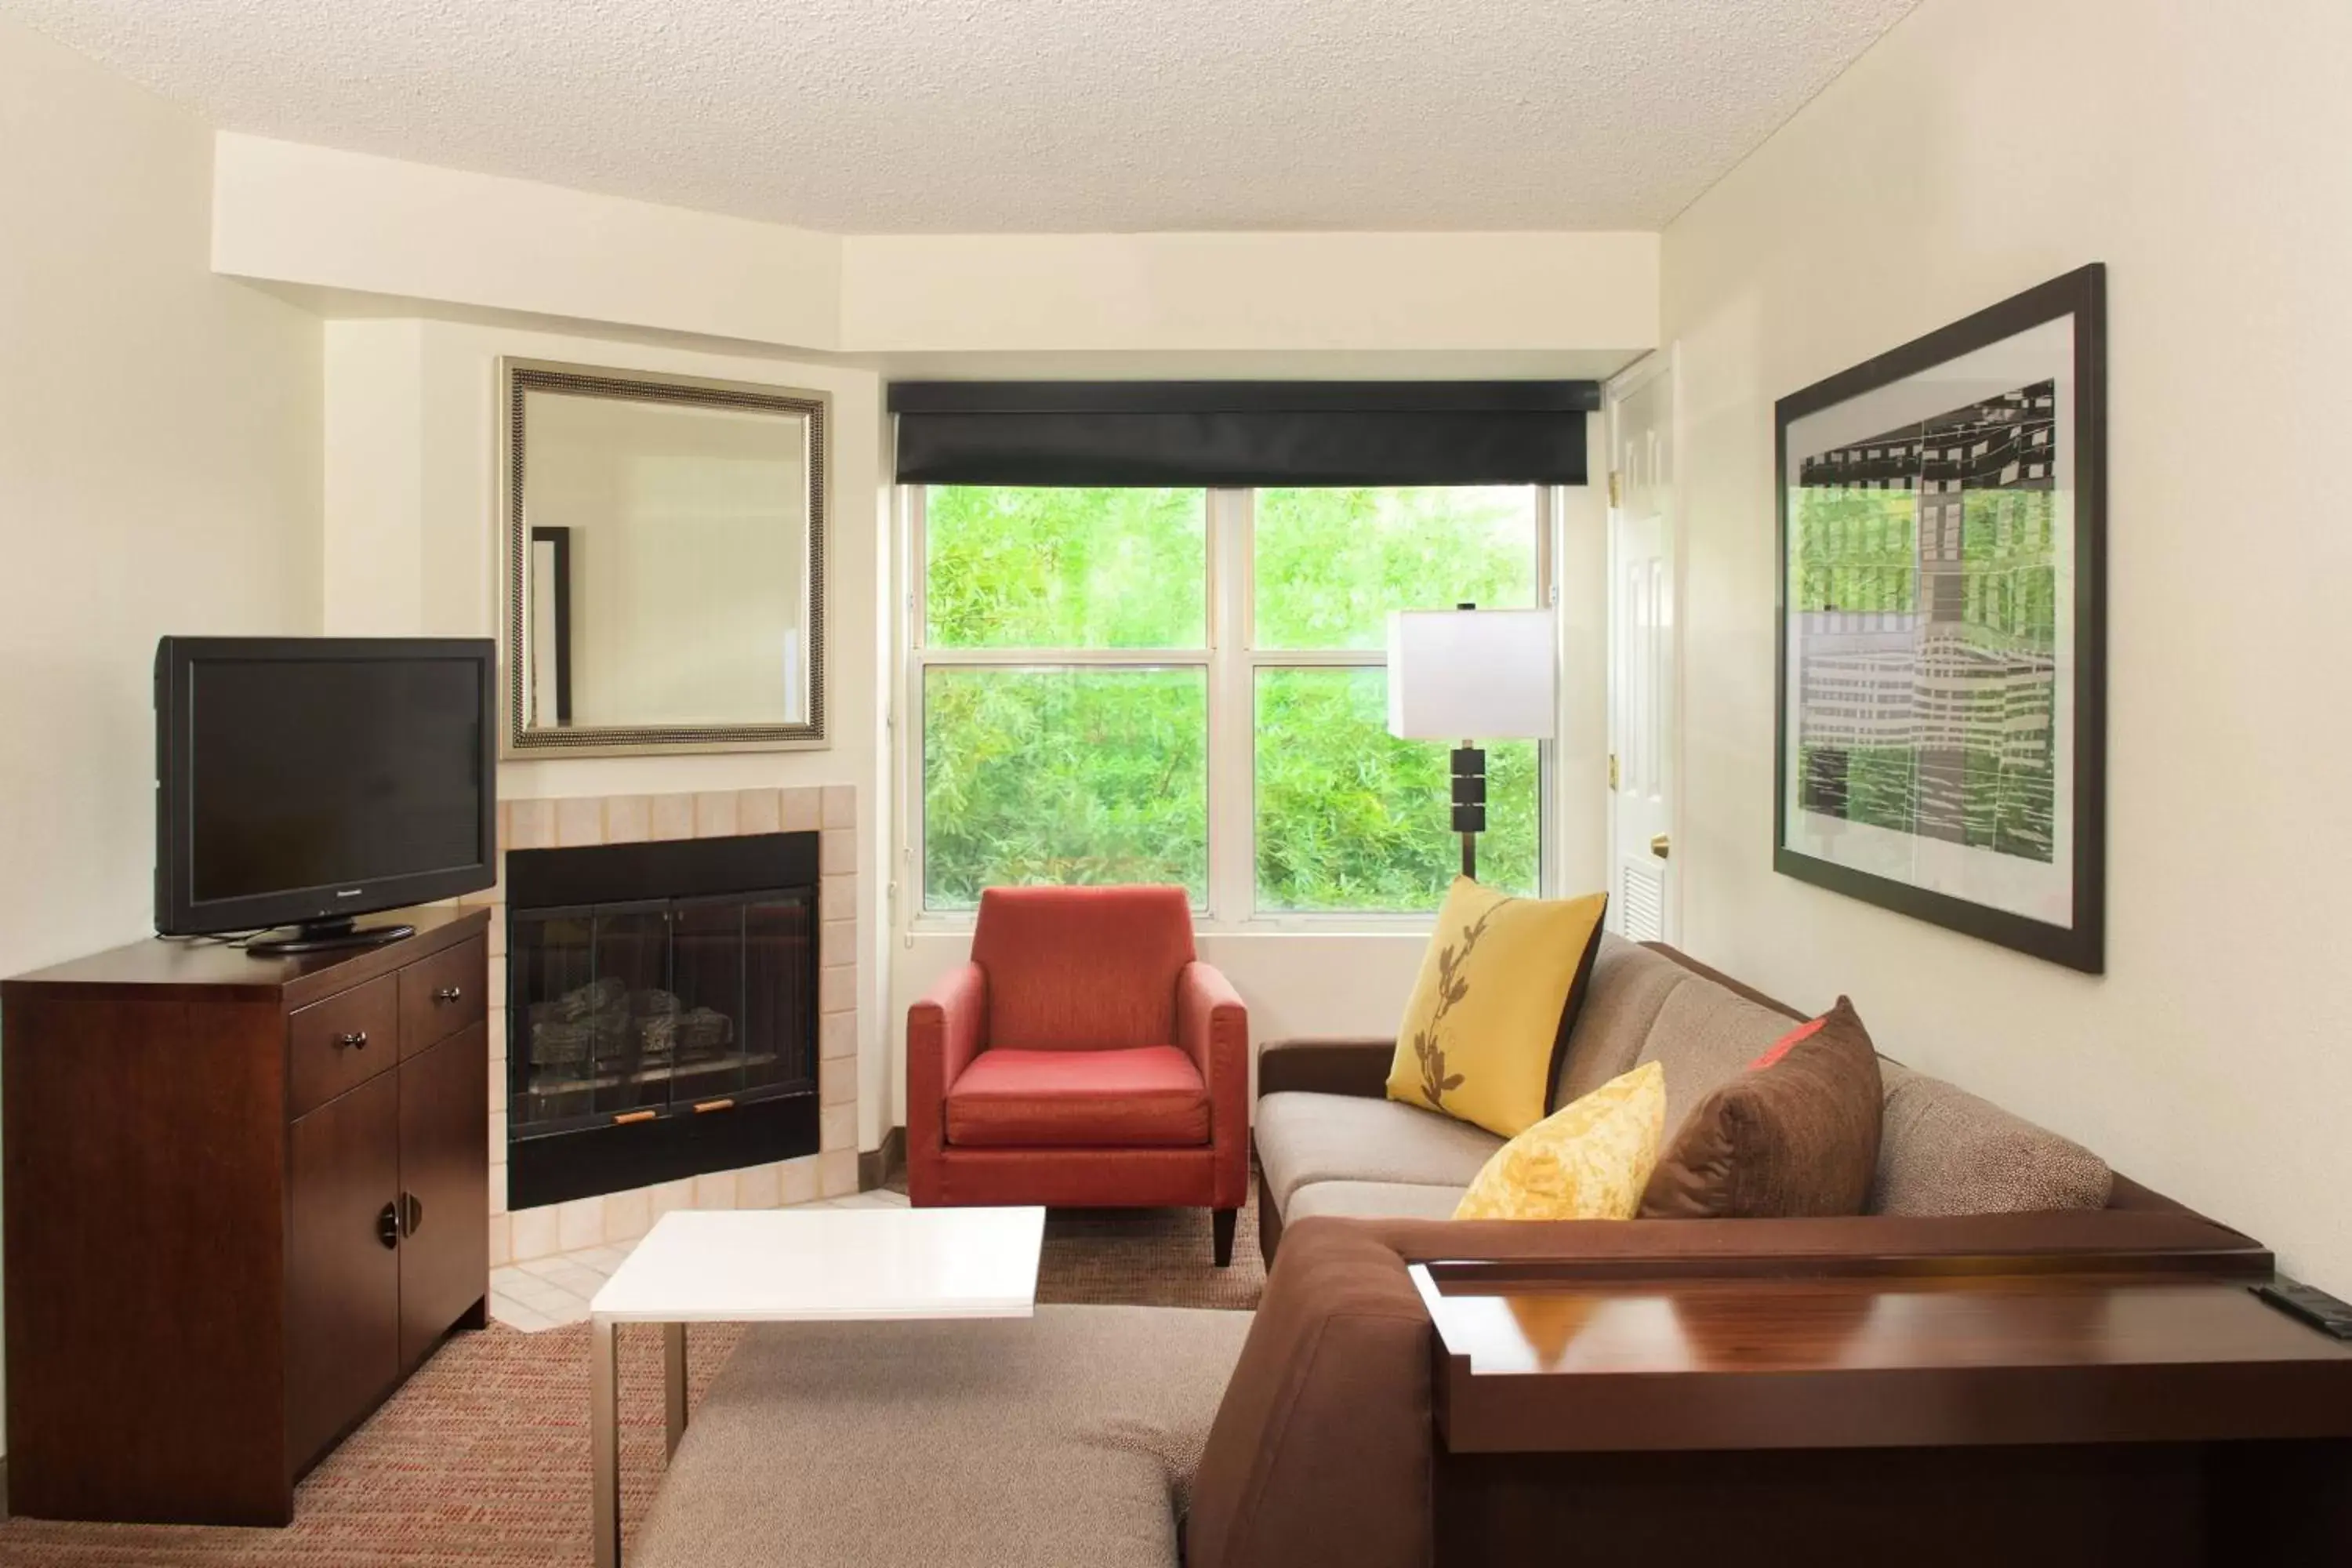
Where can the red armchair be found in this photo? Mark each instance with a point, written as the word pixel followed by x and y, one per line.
pixel 1084 1058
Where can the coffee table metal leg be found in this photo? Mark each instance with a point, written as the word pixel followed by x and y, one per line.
pixel 674 1383
pixel 605 1441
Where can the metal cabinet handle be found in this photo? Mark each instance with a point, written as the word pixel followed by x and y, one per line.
pixel 449 994
pixel 356 1039
pixel 412 1214
pixel 387 1226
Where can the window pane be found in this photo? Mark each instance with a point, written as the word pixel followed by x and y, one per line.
pixel 1332 564
pixel 1063 775
pixel 1349 817
pixel 1065 568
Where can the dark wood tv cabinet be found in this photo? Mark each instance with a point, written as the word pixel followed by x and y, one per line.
pixel 245 1198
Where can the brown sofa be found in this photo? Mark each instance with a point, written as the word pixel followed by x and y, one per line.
pixel 1155 1437
pixel 1330 1144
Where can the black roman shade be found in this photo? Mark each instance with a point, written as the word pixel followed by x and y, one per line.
pixel 1242 432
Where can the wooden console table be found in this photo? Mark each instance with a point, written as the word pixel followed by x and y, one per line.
pixel 1895 1411
pixel 244 1197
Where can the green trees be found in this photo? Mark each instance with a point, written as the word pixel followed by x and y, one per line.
pixel 1054 770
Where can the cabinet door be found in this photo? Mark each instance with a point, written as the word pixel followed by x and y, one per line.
pixel 343 1275
pixel 445 1173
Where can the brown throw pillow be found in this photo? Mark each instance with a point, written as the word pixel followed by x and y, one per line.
pixel 1796 1134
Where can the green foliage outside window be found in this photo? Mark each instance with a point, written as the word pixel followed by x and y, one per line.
pixel 1069 775
pixel 1332 564
pixel 1349 817
pixel 1065 568
pixel 1087 773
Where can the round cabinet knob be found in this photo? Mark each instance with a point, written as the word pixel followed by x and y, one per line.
pixel 356 1039
pixel 449 994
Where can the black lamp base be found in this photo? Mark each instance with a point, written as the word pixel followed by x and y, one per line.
pixel 1469 803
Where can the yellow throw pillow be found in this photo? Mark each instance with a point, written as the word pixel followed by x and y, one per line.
pixel 1500 987
pixel 1587 1161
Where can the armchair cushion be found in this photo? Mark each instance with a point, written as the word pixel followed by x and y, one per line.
pixel 1082 968
pixel 1145 1095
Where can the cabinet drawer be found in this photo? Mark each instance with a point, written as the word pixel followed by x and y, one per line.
pixel 443 995
pixel 345 1040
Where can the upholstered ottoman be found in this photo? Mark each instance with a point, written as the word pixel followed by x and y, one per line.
pixel 1066 1438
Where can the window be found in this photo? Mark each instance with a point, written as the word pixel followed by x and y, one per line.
pixel 1191 686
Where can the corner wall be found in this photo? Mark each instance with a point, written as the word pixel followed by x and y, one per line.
pixel 159 472
pixel 412 549
pixel 1982 146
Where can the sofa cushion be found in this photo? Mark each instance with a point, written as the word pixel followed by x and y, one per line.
pixel 1629 984
pixel 1794 1134
pixel 1591 1161
pixel 1304 1138
pixel 1082 968
pixel 1704 1036
pixel 1149 1095
pixel 1067 1437
pixel 1372 1200
pixel 1490 1016
pixel 1946 1151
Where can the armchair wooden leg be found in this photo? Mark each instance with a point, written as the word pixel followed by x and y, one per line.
pixel 1222 1222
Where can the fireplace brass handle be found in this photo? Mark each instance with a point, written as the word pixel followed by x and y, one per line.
pixel 625 1118
pixel 449 994
pixel 356 1039
pixel 706 1105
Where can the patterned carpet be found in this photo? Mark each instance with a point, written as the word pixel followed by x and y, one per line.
pixel 482 1461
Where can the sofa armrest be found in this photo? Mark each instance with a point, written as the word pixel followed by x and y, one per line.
pixel 1213 1028
pixel 1356 1066
pixel 945 1030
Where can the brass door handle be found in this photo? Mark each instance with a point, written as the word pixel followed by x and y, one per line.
pixel 1658 844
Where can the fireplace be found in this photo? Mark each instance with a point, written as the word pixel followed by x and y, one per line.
pixel 661 1012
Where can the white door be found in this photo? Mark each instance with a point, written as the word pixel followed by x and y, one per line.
pixel 1642 904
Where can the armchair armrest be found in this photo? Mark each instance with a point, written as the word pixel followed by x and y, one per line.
pixel 1213 1028
pixel 1353 1066
pixel 945 1030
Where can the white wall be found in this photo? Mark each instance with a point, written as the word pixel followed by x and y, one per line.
pixel 289 213
pixel 1980 147
pixel 412 485
pixel 159 472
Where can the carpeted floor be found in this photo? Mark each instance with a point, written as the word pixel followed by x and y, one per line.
pixel 482 1461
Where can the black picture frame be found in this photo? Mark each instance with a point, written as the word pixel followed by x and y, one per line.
pixel 2081 942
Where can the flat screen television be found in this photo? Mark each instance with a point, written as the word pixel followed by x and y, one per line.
pixel 304 782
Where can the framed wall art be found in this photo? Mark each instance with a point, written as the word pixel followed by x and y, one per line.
pixel 1941 733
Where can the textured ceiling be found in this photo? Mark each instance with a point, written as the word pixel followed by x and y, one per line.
pixel 872 116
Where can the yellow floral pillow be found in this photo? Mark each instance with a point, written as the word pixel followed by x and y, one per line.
pixel 1500 986
pixel 1586 1161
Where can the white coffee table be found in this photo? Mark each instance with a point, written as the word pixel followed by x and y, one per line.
pixel 751 1266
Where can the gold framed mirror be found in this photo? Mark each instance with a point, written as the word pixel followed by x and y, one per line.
pixel 664 542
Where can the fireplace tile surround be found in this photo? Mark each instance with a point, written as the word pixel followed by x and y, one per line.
pixel 564 822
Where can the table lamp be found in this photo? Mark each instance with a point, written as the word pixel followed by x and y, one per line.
pixel 1483 674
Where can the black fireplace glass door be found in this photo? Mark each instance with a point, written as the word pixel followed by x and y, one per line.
pixel 779 1001
pixel 631 989
pixel 703 1040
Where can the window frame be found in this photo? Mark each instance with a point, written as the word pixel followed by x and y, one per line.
pixel 1231 660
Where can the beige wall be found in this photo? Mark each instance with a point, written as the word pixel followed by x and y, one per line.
pixel 294 214
pixel 159 472
pixel 412 548
pixel 1982 146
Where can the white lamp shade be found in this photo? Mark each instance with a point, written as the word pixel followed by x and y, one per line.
pixel 1472 675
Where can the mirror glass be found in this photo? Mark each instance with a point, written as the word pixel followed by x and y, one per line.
pixel 665 541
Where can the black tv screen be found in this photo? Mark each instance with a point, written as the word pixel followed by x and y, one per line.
pixel 313 779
